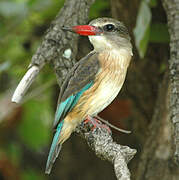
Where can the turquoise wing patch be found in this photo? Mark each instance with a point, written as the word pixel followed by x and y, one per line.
pixel 66 106
pixel 54 149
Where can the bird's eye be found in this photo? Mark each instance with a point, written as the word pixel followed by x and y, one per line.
pixel 109 27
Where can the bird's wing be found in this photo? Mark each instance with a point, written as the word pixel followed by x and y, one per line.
pixel 78 80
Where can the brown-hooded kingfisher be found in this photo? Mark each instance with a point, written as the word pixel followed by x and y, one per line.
pixel 94 81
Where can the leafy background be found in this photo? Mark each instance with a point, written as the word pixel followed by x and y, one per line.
pixel 25 130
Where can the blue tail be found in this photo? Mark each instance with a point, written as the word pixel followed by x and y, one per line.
pixel 62 109
pixel 54 150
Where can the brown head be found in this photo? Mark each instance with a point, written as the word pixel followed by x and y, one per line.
pixel 105 34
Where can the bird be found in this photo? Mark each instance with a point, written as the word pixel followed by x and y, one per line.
pixel 94 81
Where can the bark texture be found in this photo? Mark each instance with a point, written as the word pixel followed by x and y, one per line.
pixel 60 47
pixel 101 141
pixel 172 11
pixel 156 159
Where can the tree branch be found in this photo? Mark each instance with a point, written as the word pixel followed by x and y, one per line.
pixel 25 83
pixel 100 140
pixel 57 47
pixel 61 48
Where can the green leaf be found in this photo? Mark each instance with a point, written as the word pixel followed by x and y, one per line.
pixel 159 33
pixel 9 9
pixel 40 4
pixel 34 129
pixel 31 174
pixel 152 3
pixel 162 68
pixel 5 66
pixel 14 152
pixel 97 8
pixel 142 28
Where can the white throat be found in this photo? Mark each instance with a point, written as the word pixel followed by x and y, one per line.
pixel 100 43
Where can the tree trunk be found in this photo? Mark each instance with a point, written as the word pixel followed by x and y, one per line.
pixel 172 11
pixel 156 161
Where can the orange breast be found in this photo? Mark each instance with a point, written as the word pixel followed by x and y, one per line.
pixel 108 83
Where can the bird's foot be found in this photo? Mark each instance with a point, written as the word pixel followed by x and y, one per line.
pixel 96 124
pixel 112 126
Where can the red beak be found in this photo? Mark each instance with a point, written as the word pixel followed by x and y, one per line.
pixel 84 30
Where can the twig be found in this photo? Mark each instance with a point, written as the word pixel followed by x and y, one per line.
pixel 112 126
pixel 25 84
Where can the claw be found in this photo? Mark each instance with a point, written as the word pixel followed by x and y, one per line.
pixel 96 123
pixel 112 126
